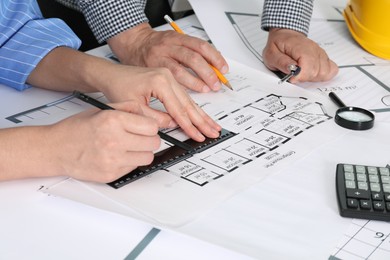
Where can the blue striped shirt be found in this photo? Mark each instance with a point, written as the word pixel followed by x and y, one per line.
pixel 26 38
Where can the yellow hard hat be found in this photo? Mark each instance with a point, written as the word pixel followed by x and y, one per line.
pixel 369 24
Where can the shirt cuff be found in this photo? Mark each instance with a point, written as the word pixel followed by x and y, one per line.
pixel 24 50
pixel 109 18
pixel 289 14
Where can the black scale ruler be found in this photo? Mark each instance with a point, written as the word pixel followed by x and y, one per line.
pixel 172 155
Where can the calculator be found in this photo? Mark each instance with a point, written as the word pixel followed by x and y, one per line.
pixel 363 191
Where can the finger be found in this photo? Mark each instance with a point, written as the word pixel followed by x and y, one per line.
pixel 207 118
pixel 202 121
pixel 274 59
pixel 195 61
pixel 139 125
pixel 186 77
pixel 197 117
pixel 179 113
pixel 163 119
pixel 137 121
pixel 205 49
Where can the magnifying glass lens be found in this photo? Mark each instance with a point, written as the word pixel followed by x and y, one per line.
pixel 355 116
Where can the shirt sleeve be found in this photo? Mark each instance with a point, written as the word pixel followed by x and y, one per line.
pixel 26 38
pixel 109 18
pixel 287 14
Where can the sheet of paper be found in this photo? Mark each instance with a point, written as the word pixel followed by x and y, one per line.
pixel 261 229
pixel 364 239
pixel 269 125
pixel 362 80
pixel 230 32
pixel 58 228
pixel 36 226
pixel 20 106
pixel 294 214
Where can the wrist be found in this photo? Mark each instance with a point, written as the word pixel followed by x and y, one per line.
pixel 128 45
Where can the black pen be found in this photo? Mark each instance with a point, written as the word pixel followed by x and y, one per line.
pixel 103 106
pixel 91 101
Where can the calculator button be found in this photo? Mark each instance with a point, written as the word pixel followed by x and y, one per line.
pixel 358 194
pixel 349 176
pixel 352 203
pixel 361 177
pixel 363 185
pixel 385 179
pixel 372 170
pixel 384 171
pixel 350 184
pixel 386 187
pixel 374 178
pixel 375 187
pixel 360 169
pixel 378 206
pixel 348 168
pixel 366 204
pixel 387 196
pixel 376 196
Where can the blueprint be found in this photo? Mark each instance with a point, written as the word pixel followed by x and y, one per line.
pixel 362 80
pixel 271 127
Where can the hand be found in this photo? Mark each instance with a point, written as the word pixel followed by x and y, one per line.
pixel 96 145
pixel 285 47
pixel 103 145
pixel 123 82
pixel 143 46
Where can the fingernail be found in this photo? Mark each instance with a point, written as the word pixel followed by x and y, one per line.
pixel 224 69
pixel 172 124
pixel 201 137
pixel 215 133
pixel 205 89
pixel 217 86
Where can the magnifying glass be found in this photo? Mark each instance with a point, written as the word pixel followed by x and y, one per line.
pixel 354 118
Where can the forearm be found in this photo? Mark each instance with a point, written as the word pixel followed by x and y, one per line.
pixel 27 152
pixel 65 69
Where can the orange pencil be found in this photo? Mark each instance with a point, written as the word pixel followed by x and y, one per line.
pixel 219 74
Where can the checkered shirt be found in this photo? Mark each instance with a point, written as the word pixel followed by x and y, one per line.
pixel 107 18
pixel 287 14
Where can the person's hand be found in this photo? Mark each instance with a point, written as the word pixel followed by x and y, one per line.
pixel 95 145
pixel 103 145
pixel 123 82
pixel 287 47
pixel 144 46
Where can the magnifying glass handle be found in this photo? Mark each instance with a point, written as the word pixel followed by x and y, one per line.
pixel 336 99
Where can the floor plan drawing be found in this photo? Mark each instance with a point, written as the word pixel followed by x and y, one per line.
pixel 358 68
pixel 268 123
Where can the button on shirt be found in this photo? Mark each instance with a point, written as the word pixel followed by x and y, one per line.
pixel 26 38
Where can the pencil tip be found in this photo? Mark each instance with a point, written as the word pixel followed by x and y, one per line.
pixel 227 84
